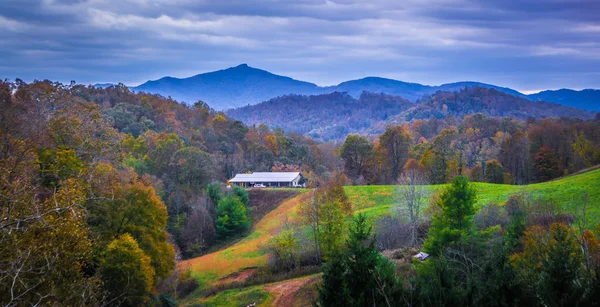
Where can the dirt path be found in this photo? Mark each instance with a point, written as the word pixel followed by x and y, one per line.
pixel 236 277
pixel 285 292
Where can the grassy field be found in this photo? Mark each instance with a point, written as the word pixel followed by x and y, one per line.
pixel 567 192
pixel 373 201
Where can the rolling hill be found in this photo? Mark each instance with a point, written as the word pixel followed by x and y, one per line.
pixel 333 116
pixel 244 85
pixel 374 201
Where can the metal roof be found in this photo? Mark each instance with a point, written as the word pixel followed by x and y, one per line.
pixel 266 177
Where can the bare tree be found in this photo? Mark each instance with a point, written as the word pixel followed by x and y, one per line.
pixel 412 194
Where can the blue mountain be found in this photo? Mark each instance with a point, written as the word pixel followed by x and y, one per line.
pixel 588 99
pixel 243 85
pixel 228 88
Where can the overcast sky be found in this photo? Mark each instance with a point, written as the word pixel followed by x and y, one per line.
pixel 523 44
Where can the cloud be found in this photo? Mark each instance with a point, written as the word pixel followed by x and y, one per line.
pixel 521 44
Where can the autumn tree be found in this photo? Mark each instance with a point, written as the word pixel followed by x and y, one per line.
pixel 514 156
pixel 396 142
pixel 549 267
pixel 127 272
pixel 356 152
pixel 192 166
pixel 442 155
pixel 118 207
pixel 584 151
pixel 494 172
pixel 546 164
pixel 325 212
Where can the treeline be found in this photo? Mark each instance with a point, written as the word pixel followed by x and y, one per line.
pixel 102 190
pixel 520 256
pixel 486 149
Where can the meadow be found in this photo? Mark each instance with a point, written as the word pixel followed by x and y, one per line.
pixel 566 192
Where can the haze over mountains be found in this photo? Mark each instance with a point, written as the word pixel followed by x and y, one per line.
pixel 244 85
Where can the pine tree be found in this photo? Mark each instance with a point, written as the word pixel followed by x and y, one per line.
pixel 455 221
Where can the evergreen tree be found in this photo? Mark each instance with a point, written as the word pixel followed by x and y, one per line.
pixel 359 275
pixel 454 223
pixel 232 217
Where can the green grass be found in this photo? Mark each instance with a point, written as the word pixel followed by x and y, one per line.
pixel 236 297
pixel 566 192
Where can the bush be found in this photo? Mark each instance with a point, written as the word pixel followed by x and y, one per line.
pixel 392 233
pixel 491 215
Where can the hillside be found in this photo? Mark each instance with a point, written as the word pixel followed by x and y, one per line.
pixel 489 102
pixel 588 99
pixel 333 116
pixel 374 201
pixel 327 116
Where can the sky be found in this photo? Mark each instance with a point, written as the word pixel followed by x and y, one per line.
pixel 528 45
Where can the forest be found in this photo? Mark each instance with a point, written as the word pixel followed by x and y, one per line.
pixel 104 192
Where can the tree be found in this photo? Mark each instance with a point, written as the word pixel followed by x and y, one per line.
pixel 356 153
pixel 44 246
pixel 546 164
pixel 192 166
pixel 454 223
pixel 494 172
pixel 127 272
pixel 325 212
pixel 584 150
pixel 214 192
pixel 199 231
pixel 286 248
pixel 232 217
pixel 514 156
pixel 549 268
pixel 117 208
pixel 359 275
pixel 331 229
pixel 412 194
pixel 396 143
pixel 242 194
pixel 442 154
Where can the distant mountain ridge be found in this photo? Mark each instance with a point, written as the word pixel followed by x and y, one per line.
pixel 588 99
pixel 244 85
pixel 229 88
pixel 333 116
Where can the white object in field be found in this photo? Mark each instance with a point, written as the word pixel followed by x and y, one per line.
pixel 421 256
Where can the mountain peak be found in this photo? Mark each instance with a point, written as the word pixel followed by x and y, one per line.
pixel 243 65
